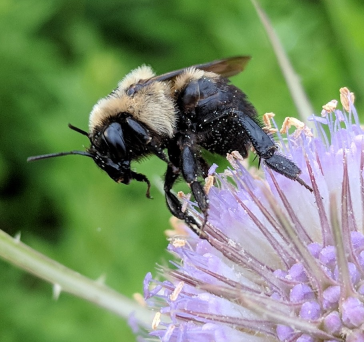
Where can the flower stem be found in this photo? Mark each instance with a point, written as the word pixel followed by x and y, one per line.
pixel 21 255
pixel 298 94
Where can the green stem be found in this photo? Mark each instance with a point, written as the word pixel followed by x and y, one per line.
pixel 298 94
pixel 21 255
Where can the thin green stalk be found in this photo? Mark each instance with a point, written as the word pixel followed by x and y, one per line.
pixel 21 255
pixel 298 94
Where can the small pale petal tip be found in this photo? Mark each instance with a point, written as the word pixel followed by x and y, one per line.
pixel 156 320
pixel 346 98
pixel 178 228
pixel 267 117
pixel 138 297
pixel 329 107
pixel 299 125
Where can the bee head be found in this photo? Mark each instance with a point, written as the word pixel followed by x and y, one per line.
pixel 108 151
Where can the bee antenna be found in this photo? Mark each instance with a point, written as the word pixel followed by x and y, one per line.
pixel 60 154
pixel 79 130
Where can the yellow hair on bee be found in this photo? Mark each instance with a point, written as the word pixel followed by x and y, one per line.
pixel 152 104
pixel 143 72
pixel 191 74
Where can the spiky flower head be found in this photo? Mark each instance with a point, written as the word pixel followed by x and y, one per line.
pixel 279 263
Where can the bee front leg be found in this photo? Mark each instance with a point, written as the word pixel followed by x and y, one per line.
pixel 175 206
pixel 142 178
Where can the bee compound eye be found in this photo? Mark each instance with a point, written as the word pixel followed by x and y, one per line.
pixel 114 138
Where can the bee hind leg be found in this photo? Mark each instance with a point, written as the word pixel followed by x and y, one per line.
pixel 286 168
pixel 266 150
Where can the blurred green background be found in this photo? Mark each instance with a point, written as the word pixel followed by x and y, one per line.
pixel 57 58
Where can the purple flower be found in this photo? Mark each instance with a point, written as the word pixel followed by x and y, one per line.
pixel 279 263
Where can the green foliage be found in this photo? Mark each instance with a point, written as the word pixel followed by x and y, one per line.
pixel 57 58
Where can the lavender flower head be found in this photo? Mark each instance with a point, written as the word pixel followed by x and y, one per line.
pixel 279 263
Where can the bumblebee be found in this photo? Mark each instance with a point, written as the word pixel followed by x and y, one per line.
pixel 180 112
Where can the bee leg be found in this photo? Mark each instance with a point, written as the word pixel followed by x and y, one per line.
pixel 266 148
pixel 174 205
pixel 263 144
pixel 152 146
pixel 204 167
pixel 286 167
pixel 142 178
pixel 190 172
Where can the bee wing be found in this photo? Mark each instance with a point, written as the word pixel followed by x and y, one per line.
pixel 225 67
